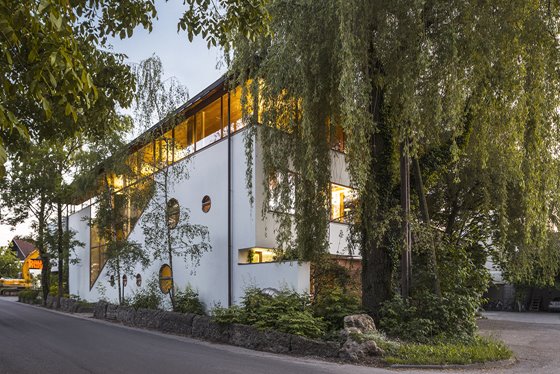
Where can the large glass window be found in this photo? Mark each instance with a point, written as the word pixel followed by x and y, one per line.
pixel 164 150
pixel 235 112
pixel 209 124
pixel 147 160
pixel 184 139
pixel 343 203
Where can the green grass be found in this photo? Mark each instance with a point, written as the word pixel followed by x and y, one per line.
pixel 481 349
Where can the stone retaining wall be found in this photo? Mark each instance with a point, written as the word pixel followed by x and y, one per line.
pixel 204 328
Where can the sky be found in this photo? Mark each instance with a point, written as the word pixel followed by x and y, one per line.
pixel 193 64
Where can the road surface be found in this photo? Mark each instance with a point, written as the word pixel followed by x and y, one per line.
pixel 36 340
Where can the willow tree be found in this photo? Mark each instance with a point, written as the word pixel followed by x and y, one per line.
pixel 475 83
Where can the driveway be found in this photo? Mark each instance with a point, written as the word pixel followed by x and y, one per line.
pixel 534 337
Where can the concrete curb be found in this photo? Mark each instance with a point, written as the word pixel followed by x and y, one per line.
pixel 475 366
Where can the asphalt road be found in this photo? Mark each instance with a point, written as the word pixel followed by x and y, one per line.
pixel 36 340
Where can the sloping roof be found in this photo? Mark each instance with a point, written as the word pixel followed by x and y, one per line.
pixel 23 248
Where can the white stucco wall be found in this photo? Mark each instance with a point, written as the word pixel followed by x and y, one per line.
pixel 208 173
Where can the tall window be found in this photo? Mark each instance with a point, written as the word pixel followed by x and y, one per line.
pixel 184 139
pixel 343 203
pixel 209 124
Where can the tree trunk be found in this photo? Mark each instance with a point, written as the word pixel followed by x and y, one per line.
pixel 425 213
pixel 376 203
pixel 45 271
pixel 406 258
pixel 60 254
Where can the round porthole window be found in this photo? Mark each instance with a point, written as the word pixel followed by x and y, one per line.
pixel 165 278
pixel 138 280
pixel 172 213
pixel 124 280
pixel 206 204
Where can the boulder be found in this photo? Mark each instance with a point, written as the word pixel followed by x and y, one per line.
pixel 82 307
pixel 100 310
pixel 262 340
pixel 147 318
pixel 203 327
pixel 111 313
pixel 308 347
pixel 176 323
pixel 354 350
pixel 363 322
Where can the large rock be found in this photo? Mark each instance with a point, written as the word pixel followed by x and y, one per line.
pixel 176 323
pixel 111 313
pixel 148 318
pixel 205 328
pixel 262 340
pixel 363 322
pixel 100 310
pixel 354 350
pixel 126 314
pixel 308 347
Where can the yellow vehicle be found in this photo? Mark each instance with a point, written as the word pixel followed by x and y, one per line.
pixel 10 287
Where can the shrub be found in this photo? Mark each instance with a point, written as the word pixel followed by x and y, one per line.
pixel 28 296
pixel 333 305
pixel 286 311
pixel 187 301
pixel 147 298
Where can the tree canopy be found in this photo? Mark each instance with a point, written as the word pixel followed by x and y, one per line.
pixel 469 89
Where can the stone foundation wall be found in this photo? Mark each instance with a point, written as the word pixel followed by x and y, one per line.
pixel 204 328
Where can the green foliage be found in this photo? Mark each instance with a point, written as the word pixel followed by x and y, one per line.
pixel 479 349
pixel 29 296
pixel 425 316
pixel 187 301
pixel 149 297
pixel 10 265
pixel 286 311
pixel 48 51
pixel 332 305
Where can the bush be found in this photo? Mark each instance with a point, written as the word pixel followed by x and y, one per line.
pixel 147 298
pixel 286 311
pixel 28 296
pixel 187 302
pixel 425 317
pixel 333 305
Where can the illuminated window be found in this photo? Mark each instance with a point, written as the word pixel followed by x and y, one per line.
pixel 256 255
pixel 206 204
pixel 184 139
pixel 164 150
pixel 147 160
pixel 173 211
pixel 343 203
pixel 282 192
pixel 337 138
pixel 209 124
pixel 235 112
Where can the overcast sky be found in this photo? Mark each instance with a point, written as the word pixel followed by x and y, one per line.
pixel 193 64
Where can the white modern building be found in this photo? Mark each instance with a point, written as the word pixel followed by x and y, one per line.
pixel 216 195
